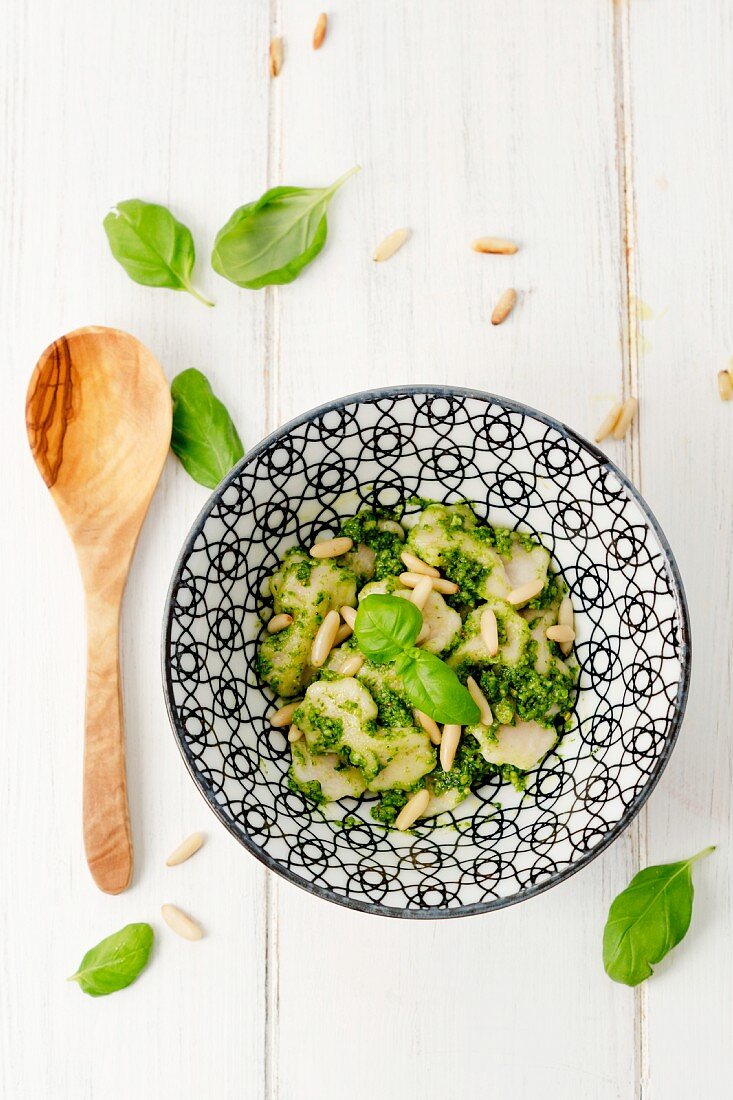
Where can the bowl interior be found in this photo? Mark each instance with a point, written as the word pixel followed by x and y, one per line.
pixel 521 469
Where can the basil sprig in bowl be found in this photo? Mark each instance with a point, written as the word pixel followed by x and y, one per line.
pixel 520 469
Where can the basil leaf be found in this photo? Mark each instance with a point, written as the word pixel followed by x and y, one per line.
pixel 270 241
pixel 434 688
pixel 648 919
pixel 153 247
pixel 204 437
pixel 116 961
pixel 385 626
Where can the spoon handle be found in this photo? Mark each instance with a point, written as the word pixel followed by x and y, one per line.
pixel 107 837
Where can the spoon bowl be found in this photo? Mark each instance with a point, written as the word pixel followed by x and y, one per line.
pixel 98 415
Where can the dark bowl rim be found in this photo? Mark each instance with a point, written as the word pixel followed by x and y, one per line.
pixel 434 912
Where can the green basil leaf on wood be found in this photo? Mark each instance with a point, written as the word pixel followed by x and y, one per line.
pixel 116 961
pixel 385 626
pixel 271 240
pixel 434 688
pixel 648 919
pixel 153 247
pixel 204 437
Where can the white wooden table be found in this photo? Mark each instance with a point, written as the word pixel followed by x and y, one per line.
pixel 598 135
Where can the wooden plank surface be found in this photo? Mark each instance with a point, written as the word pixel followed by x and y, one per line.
pixel 444 115
pixel 681 95
pixel 163 101
pixel 577 128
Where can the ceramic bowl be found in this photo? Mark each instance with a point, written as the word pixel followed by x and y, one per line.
pixel 522 469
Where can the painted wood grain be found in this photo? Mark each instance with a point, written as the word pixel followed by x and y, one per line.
pixel 100 103
pixel 449 118
pixel 681 87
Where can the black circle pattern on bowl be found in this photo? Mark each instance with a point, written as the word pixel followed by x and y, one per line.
pixel 522 469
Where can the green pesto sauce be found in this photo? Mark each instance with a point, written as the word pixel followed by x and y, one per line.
pixel 387 547
pixel 421 503
pixel 517 693
pixel 387 809
pixel 471 770
pixel 311 790
pixel 552 593
pixel 520 692
pixel 393 711
pixel 330 730
pixel 327 674
pixel 303 572
pixel 263 665
pixel 467 573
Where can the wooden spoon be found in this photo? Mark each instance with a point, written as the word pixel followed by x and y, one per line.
pixel 98 414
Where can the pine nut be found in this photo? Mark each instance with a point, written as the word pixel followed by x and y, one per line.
pixel 504 306
pixel 490 631
pixel 348 614
pixel 276 56
pixel 725 385
pixel 439 584
pixel 627 415
pixel 609 422
pixel 448 588
pixel 414 808
pixel 179 923
pixel 449 746
pixel 391 244
pixel 344 632
pixel 331 548
pixel 324 639
pixel 487 718
pixel 526 592
pixel 422 591
pixel 561 633
pixel 411 580
pixel 185 849
pixel 566 617
pixel 495 245
pixel 284 716
pixel 565 614
pixel 417 565
pixel 423 635
pixel 320 32
pixel 429 725
pixel 393 527
pixel 294 734
pixel 352 666
pixel 278 623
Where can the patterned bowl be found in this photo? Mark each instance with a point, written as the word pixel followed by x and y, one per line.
pixel 522 469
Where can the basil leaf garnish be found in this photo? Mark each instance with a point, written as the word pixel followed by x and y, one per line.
pixel 648 919
pixel 271 240
pixel 386 626
pixel 154 248
pixel 434 688
pixel 204 437
pixel 116 961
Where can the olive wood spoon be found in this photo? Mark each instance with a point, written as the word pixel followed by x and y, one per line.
pixel 98 414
